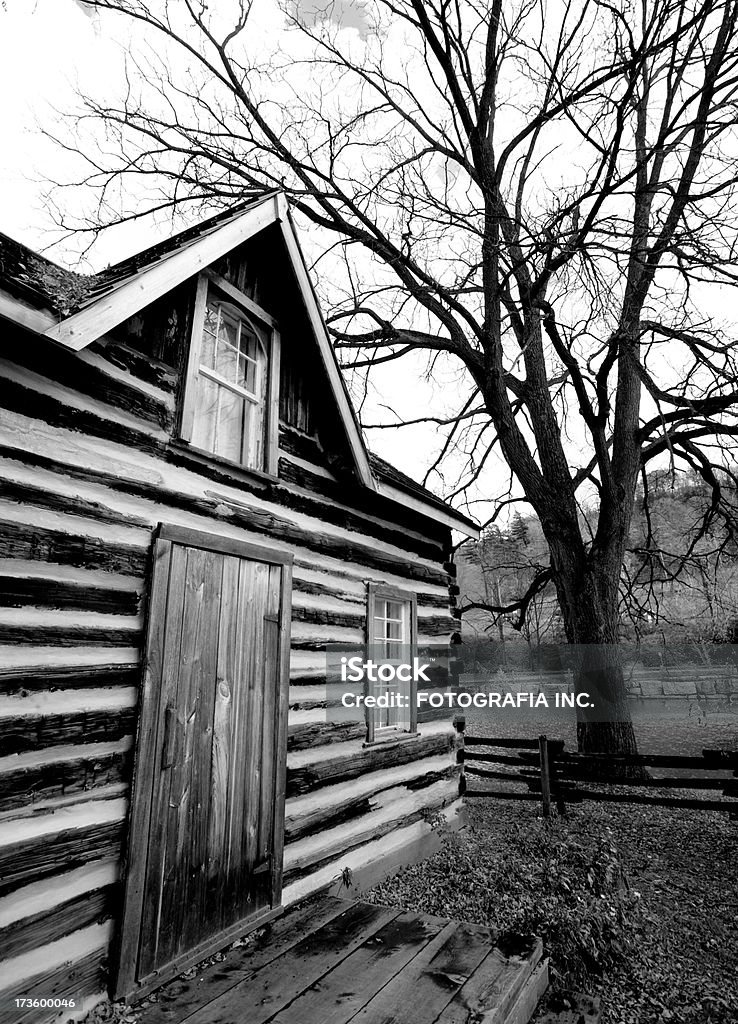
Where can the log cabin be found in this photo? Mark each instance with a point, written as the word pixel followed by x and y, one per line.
pixel 189 516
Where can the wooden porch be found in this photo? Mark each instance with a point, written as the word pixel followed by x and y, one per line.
pixel 331 961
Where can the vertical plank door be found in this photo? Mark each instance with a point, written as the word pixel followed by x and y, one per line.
pixel 204 856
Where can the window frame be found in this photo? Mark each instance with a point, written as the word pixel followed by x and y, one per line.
pixel 211 284
pixel 383 592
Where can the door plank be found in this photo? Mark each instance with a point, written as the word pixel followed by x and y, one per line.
pixel 340 994
pixel 145 772
pixel 271 694
pixel 231 878
pixel 174 617
pixel 424 988
pixel 181 870
pixel 183 997
pixel 250 781
pixel 192 869
pixel 283 711
pixel 261 996
pixel 223 764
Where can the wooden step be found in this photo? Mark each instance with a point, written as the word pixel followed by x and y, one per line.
pixel 530 995
pixel 351 961
pixel 502 988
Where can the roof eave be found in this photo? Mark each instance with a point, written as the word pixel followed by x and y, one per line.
pixel 439 511
pixel 111 309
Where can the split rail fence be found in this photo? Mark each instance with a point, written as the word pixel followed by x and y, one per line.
pixel 555 776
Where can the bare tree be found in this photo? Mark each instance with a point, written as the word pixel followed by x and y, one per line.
pixel 544 193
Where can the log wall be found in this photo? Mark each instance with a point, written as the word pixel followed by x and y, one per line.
pixel 88 470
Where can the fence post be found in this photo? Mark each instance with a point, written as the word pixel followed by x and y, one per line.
pixel 460 726
pixel 545 776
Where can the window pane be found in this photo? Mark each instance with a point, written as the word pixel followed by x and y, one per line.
pixel 394 650
pixel 253 435
pixel 394 609
pixel 210 325
pixel 206 414
pixel 226 359
pixel 249 373
pixel 230 425
pixel 207 356
pixel 394 631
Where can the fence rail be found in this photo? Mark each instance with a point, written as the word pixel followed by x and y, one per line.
pixel 553 775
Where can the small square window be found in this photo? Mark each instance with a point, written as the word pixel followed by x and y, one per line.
pixel 391 632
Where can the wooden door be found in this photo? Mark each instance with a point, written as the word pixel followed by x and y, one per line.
pixel 205 846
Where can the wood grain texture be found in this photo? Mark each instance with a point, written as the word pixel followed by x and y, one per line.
pixel 17 592
pixel 18 540
pixel 277 938
pixel 385 755
pixel 76 980
pixel 46 926
pixel 35 732
pixel 88 379
pixel 352 983
pixel 218 695
pixel 258 998
pixel 428 983
pixel 87 771
pixel 47 855
pixel 80 677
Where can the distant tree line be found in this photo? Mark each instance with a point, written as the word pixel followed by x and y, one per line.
pixel 679 583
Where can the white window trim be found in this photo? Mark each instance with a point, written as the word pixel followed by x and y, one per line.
pixel 380 592
pixel 210 281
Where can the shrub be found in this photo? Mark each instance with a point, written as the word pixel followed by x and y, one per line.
pixel 569 889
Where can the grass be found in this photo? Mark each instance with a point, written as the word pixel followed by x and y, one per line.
pixel 639 905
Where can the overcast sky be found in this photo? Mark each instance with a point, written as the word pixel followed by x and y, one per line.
pixel 49 47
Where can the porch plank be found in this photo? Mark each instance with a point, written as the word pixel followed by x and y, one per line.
pixel 334 961
pixel 182 998
pixel 428 983
pixel 340 994
pixel 491 989
pixel 261 996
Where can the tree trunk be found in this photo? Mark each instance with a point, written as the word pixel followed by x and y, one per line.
pixel 589 605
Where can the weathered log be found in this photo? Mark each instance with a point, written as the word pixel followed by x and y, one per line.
pixel 371 758
pixel 18 540
pixel 341 493
pixel 34 732
pixel 46 855
pixel 18 398
pixel 18 592
pixel 73 678
pixel 326 817
pixel 35 931
pixel 303 737
pixel 40 782
pixel 64 367
pixel 144 367
pixel 69 636
pixel 87 977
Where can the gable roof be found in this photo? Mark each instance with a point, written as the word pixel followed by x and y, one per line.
pixel 74 310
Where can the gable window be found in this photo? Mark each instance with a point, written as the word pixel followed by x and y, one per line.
pixel 391 634
pixel 229 408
